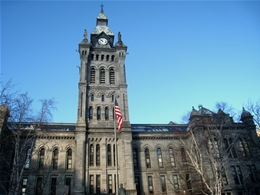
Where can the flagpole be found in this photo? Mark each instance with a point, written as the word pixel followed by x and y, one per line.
pixel 115 146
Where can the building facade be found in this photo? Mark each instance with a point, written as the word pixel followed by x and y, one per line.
pixel 211 154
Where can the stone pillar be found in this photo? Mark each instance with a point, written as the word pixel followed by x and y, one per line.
pixel 79 163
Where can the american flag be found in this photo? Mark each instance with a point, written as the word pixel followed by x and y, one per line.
pixel 119 116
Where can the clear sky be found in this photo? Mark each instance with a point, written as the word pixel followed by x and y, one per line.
pixel 181 53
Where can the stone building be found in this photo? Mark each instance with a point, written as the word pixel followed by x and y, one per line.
pixel 81 157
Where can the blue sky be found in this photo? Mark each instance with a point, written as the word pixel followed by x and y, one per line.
pixel 181 53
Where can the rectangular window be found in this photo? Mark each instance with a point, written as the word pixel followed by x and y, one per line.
pixel 68 185
pixel 91 187
pixel 24 186
pixel 39 186
pixel 188 181
pixel 109 160
pixel 237 175
pixel 110 185
pixel 175 182
pixel 150 184
pixel 98 184
pixel 53 185
pixel 137 184
pixel 163 183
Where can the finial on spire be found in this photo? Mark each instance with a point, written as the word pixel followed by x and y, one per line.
pixel 85 34
pixel 102 6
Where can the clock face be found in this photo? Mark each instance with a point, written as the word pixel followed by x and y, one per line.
pixel 102 41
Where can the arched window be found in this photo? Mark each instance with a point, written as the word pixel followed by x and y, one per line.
pixel 111 76
pixel 112 58
pixel 91 155
pixel 90 116
pixel 147 158
pixel 97 56
pixel 98 113
pixel 107 58
pixel 159 156
pixel 41 158
pixel 92 75
pixel 102 76
pixel 171 157
pixel 102 57
pixel 102 98
pixel 69 159
pixel 230 150
pixel 97 155
pixel 92 56
pixel 106 113
pixel 135 158
pixel 244 147
pixel 92 97
pixel 109 155
pixel 55 158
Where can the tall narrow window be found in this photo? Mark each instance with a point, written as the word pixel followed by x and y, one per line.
pixel 163 183
pixel 109 160
pixel 112 98
pixel 24 186
pixel 216 147
pixel 112 58
pixel 110 184
pixel 39 186
pixel 230 150
pixel 97 56
pixel 91 155
pixel 224 177
pixel 111 76
pixel 97 155
pixel 159 156
pixel 98 113
pixel 150 184
pixel 55 158
pixel 53 185
pixel 183 155
pixel 91 183
pixel 102 98
pixel 114 154
pixel 107 57
pixel 147 158
pixel 137 184
pixel 175 182
pixel 68 185
pixel 90 113
pixel 188 181
pixel 237 175
pixel 27 159
pixel 92 75
pixel 106 113
pixel 246 147
pixel 92 97
pixel 102 57
pixel 171 157
pixel 135 158
pixel 102 76
pixel 69 159
pixel 252 173
pixel 41 158
pixel 98 184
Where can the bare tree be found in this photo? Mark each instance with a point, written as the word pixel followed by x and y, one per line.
pixel 18 135
pixel 254 108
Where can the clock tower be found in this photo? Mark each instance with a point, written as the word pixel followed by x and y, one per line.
pixel 102 80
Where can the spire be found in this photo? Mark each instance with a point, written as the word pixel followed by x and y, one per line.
pixel 102 6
